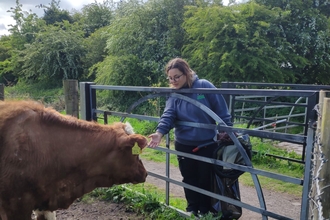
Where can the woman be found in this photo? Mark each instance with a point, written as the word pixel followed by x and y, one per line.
pixel 187 138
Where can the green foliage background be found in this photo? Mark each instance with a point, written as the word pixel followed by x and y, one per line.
pixel 128 43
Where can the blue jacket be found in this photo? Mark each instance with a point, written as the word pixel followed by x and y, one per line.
pixel 180 110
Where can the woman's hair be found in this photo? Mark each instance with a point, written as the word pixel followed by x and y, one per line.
pixel 183 66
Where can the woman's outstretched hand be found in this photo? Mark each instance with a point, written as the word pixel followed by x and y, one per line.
pixel 155 139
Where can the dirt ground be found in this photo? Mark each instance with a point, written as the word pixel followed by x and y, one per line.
pixel 280 203
pixel 98 210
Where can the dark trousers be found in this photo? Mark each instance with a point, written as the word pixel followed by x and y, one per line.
pixel 196 173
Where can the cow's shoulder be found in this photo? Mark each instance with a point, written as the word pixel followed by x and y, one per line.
pixel 16 111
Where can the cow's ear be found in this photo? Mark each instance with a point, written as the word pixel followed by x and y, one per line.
pixel 140 140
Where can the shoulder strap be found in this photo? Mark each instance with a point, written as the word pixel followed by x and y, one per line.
pixel 197 125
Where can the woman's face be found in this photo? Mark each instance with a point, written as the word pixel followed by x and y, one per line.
pixel 176 78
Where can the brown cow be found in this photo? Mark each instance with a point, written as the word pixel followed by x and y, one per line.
pixel 48 160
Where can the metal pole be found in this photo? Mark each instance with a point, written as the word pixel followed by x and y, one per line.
pixel 85 101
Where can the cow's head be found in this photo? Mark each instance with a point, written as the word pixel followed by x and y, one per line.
pixel 128 167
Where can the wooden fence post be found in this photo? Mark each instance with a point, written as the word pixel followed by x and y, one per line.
pixel 325 146
pixel 71 97
pixel 2 91
pixel 321 193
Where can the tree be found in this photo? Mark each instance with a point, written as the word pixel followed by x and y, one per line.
pixel 53 13
pixel 310 39
pixel 95 46
pixel 142 38
pixel 152 32
pixel 237 43
pixel 55 55
pixel 307 28
pixel 6 67
pixel 95 15
pixel 27 25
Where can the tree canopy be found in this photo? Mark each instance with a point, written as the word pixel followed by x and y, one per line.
pixel 56 54
pixel 130 41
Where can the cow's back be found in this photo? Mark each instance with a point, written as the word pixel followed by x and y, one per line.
pixel 14 113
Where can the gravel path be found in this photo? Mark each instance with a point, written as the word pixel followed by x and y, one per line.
pixel 279 203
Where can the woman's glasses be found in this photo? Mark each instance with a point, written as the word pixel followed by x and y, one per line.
pixel 175 78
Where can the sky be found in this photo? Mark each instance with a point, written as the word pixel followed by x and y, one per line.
pixel 27 5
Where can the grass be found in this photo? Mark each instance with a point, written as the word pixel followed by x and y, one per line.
pixel 148 203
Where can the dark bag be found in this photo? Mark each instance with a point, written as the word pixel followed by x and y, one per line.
pixel 225 180
pixel 229 188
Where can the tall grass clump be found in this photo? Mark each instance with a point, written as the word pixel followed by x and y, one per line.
pixel 138 200
pixel 45 93
pixel 263 158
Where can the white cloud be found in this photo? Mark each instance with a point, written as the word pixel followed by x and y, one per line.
pixel 3 29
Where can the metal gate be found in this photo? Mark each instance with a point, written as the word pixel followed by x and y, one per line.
pixel 89 111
